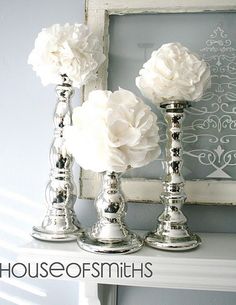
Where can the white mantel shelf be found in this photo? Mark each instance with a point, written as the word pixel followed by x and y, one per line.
pixel 210 267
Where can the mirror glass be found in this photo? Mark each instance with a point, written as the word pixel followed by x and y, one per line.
pixel 209 137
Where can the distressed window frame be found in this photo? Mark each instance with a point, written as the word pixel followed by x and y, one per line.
pixel 97 12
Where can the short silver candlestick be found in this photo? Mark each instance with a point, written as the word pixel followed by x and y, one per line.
pixel 172 232
pixel 110 234
pixel 60 223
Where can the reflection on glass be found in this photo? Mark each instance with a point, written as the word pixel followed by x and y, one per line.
pixel 210 125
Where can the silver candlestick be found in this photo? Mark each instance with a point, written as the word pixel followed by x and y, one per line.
pixel 60 223
pixel 110 234
pixel 172 232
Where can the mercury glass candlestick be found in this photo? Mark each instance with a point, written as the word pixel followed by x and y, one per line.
pixel 172 232
pixel 60 223
pixel 110 234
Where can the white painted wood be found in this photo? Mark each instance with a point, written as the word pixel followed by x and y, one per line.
pixel 210 267
pixel 145 190
pixel 88 293
pixel 154 6
pixel 107 294
pixel 209 192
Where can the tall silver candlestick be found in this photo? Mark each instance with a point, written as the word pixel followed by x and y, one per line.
pixel 172 232
pixel 110 234
pixel 60 223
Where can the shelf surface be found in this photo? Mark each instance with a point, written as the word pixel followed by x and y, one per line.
pixel 212 266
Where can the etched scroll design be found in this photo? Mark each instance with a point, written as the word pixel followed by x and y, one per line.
pixel 210 125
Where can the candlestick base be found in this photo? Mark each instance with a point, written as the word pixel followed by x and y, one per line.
pixel 131 243
pixel 41 234
pixel 184 240
pixel 59 224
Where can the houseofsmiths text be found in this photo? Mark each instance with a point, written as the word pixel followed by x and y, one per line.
pixel 76 270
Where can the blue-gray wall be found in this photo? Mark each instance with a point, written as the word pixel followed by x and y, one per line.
pixel 26 132
pixel 26 109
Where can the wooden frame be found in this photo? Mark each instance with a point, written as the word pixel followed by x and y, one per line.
pixel 136 189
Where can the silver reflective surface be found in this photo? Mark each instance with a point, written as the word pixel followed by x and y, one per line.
pixel 172 232
pixel 110 234
pixel 209 131
pixel 60 222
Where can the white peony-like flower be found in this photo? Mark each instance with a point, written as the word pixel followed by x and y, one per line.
pixel 113 131
pixel 66 49
pixel 173 73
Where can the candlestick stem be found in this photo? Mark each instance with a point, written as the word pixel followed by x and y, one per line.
pixel 60 222
pixel 172 232
pixel 110 234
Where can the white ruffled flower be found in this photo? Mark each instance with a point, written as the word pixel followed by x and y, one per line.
pixel 113 131
pixel 173 73
pixel 69 49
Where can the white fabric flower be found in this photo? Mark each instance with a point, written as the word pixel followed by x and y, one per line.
pixel 69 49
pixel 113 131
pixel 173 73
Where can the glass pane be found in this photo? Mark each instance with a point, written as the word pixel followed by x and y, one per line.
pixel 210 125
